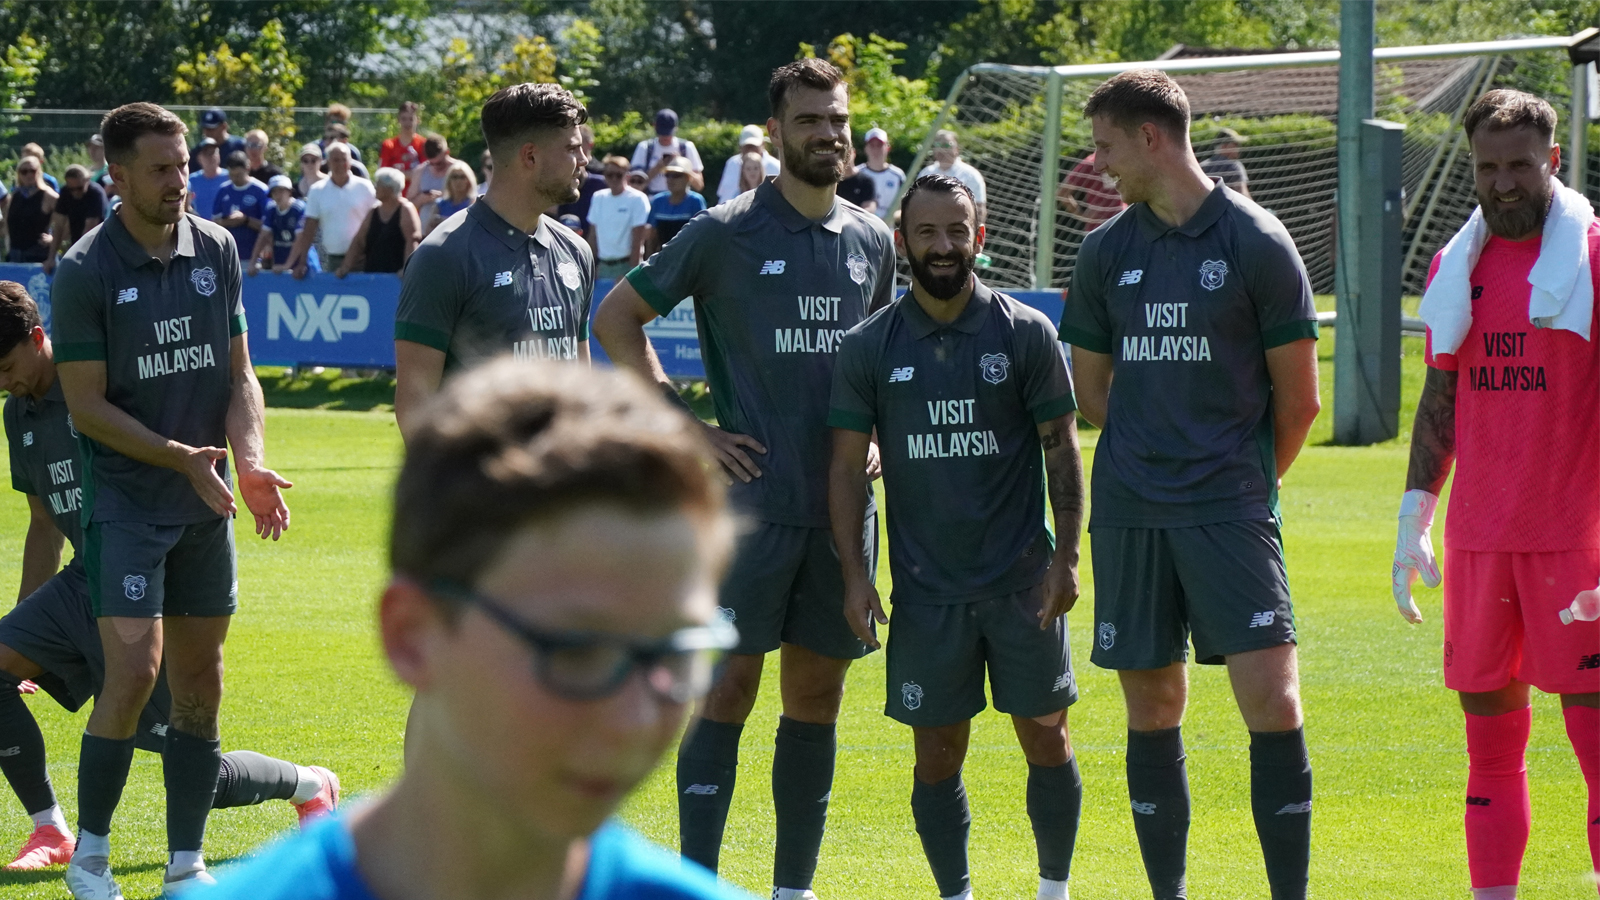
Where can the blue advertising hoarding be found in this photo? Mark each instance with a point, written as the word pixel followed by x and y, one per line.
pixel 349 322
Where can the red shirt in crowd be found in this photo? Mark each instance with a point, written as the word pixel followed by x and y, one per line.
pixel 1100 199
pixel 404 157
pixel 1527 415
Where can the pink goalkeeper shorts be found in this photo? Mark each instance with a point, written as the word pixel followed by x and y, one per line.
pixel 1502 621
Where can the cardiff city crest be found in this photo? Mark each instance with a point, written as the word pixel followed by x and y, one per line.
pixel 1212 272
pixel 204 281
pixel 857 264
pixel 133 586
pixel 911 694
pixel 995 367
pixel 1107 635
pixel 567 271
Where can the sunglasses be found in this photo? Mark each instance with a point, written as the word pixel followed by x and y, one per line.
pixel 586 666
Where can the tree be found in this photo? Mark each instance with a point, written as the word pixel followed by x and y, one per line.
pixel 19 69
pixel 879 97
pixel 264 75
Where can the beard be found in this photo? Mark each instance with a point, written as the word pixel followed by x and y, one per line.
pixel 564 190
pixel 152 209
pixel 798 161
pixel 942 286
pixel 1515 220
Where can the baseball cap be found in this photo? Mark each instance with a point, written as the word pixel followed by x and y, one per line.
pixel 666 122
pixel 310 150
pixel 97 140
pixel 212 117
pixel 279 181
pixel 204 143
pixel 679 164
pixel 1228 134
pixel 877 134
pixel 752 134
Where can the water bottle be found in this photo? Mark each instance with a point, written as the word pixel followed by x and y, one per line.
pixel 1585 608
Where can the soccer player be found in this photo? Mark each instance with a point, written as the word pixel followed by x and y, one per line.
pixel 502 277
pixel 549 679
pixel 777 275
pixel 1523 534
pixel 1194 348
pixel 150 348
pixel 51 637
pixel 964 386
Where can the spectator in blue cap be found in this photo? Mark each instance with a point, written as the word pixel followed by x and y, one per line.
pixel 214 124
pixel 652 157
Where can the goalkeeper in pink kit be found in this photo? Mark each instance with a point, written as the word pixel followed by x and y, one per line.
pixel 1512 400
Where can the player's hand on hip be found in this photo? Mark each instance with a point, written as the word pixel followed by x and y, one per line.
pixel 262 490
pixel 729 451
pixel 874 461
pixel 200 466
pixel 1060 592
pixel 861 608
pixel 1413 552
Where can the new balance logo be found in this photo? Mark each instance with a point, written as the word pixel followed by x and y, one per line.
pixel 127 295
pixel 1295 809
pixel 502 279
pixel 27 439
pixel 826 797
pixel 1592 661
pixel 701 790
pixel 1262 619
pixel 1132 276
pixel 1063 681
pixel 903 373
pixel 772 267
pixel 1477 801
pixel 11 751
pixel 1144 809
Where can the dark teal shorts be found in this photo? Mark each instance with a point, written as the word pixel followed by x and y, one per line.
pixel 785 587
pixel 149 571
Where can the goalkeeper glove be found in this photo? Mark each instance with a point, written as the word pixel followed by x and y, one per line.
pixel 1413 551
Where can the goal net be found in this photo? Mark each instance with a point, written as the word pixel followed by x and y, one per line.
pixel 1285 115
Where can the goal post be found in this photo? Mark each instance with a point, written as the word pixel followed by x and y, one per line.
pixel 1023 129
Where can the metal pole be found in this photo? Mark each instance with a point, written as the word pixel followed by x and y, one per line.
pixel 1458 138
pixel 1044 254
pixel 927 139
pixel 1356 40
pixel 1577 149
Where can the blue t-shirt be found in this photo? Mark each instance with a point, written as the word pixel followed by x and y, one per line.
pixel 285 227
pixel 204 191
pixel 250 200
pixel 320 864
pixel 668 218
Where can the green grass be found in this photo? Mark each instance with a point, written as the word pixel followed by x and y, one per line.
pixel 305 682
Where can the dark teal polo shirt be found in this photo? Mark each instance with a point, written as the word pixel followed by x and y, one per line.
pixel 957 409
pixel 1187 314
pixel 163 331
pixel 774 293
pixel 44 457
pixel 477 287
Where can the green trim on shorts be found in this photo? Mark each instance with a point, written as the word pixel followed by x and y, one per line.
pixel 422 334
pixel 660 302
pixel 1054 409
pixel 83 351
pixel 91 565
pixel 1290 332
pixel 850 421
pixel 237 326
pixel 1093 343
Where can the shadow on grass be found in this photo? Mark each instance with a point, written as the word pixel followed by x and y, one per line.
pixel 330 389
pixel 56 873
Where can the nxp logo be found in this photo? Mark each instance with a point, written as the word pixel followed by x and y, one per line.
pixel 335 315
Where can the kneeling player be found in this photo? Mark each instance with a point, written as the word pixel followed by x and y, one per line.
pixel 964 386
pixel 1523 535
pixel 51 636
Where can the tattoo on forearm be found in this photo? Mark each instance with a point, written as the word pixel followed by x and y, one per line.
pixel 1064 477
pixel 1433 434
pixel 1051 439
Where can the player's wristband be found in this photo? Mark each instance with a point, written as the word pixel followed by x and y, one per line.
pixel 1420 504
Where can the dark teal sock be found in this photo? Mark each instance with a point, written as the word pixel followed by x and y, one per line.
pixel 22 757
pixel 189 766
pixel 1055 804
pixel 102 771
pixel 944 822
pixel 708 763
pixel 247 778
pixel 1280 797
pixel 1158 786
pixel 802 784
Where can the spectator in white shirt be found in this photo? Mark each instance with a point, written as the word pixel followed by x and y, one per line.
pixel 617 222
pixel 751 140
pixel 651 157
pixel 335 209
pixel 947 161
pixel 888 178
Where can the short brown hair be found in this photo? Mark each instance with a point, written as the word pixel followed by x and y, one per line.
pixel 516 113
pixel 512 443
pixel 339 111
pixel 620 162
pixel 126 124
pixel 19 316
pixel 1504 109
pixel 817 74
pixel 409 106
pixel 1138 96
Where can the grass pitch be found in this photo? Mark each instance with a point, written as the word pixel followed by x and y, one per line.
pixel 305 682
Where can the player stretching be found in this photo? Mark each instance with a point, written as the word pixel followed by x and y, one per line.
pixel 51 637
pixel 1194 347
pixel 777 276
pixel 151 353
pixel 1506 306
pixel 500 277
pixel 964 385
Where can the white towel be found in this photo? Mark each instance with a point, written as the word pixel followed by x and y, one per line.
pixel 1562 282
